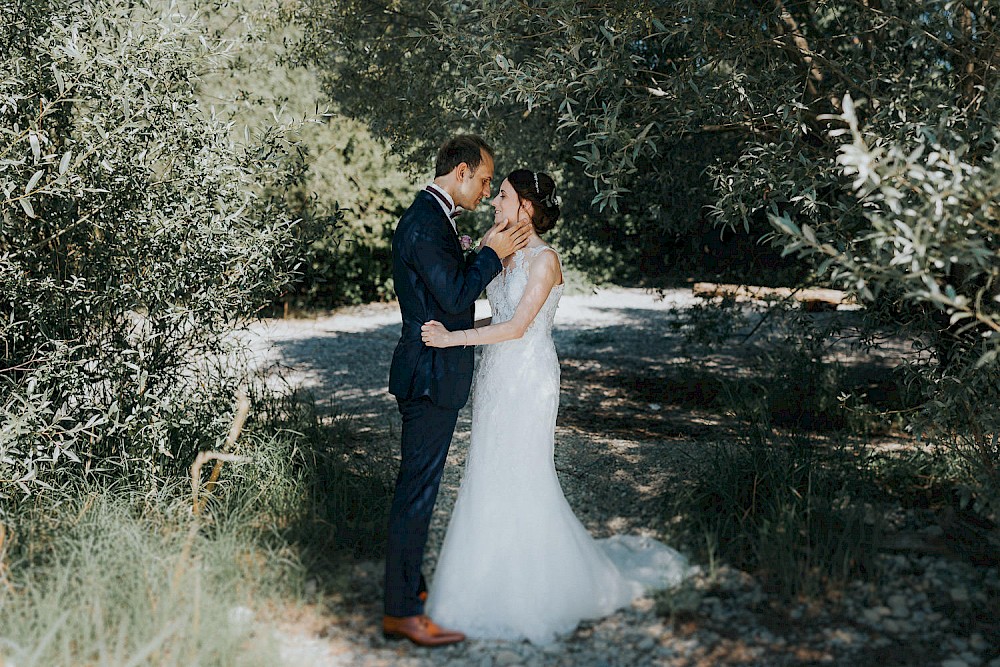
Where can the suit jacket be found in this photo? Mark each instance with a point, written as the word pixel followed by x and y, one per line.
pixel 433 281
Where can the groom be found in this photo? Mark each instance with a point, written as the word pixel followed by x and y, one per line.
pixel 434 282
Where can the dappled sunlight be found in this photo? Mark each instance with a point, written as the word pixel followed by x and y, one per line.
pixel 642 415
pixel 345 366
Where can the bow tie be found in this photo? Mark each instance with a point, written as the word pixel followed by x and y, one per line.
pixel 454 211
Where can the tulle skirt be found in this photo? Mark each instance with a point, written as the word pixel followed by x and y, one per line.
pixel 516 563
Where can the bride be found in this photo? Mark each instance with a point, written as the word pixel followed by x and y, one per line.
pixel 516 563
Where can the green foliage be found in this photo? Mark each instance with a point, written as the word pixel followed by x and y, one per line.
pixel 635 99
pixel 134 232
pixel 923 477
pixel 323 487
pixel 865 132
pixel 787 501
pixel 114 576
pixel 792 368
pixel 925 238
pixel 349 179
pixel 347 165
pixel 104 573
pixel 417 76
pixel 794 513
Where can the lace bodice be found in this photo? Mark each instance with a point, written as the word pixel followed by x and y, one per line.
pixel 506 290
pixel 531 358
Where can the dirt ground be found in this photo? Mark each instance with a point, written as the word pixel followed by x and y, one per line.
pixel 638 410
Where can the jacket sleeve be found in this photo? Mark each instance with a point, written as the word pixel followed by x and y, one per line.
pixel 452 283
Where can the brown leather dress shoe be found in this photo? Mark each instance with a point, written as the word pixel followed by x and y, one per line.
pixel 420 630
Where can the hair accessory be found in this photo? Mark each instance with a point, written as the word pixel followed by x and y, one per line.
pixel 535 174
pixel 552 199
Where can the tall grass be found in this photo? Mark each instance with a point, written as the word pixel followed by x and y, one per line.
pixel 326 485
pixel 110 577
pixel 110 573
pixel 797 512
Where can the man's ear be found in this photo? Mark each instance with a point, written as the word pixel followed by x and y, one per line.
pixel 463 171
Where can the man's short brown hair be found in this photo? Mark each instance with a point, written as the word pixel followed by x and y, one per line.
pixel 467 148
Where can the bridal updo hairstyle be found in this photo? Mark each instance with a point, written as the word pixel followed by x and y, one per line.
pixel 540 190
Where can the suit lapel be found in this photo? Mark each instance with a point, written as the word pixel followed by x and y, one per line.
pixel 440 217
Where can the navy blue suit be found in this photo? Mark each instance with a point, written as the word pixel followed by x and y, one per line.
pixel 433 281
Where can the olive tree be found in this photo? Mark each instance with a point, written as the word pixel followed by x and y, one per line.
pixel 137 225
pixel 856 135
pixel 417 74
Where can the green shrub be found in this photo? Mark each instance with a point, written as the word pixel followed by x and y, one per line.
pixel 869 152
pixel 792 370
pixel 791 513
pixel 347 165
pixel 134 232
pixel 325 487
pixel 105 572
pixel 796 512
pixel 355 270
pixel 917 243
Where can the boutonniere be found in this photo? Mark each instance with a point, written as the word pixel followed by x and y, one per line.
pixel 466 242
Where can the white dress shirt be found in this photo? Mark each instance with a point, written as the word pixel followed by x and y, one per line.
pixel 446 202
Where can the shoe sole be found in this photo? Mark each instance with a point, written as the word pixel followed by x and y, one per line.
pixel 398 636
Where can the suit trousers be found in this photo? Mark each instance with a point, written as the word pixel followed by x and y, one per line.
pixel 426 438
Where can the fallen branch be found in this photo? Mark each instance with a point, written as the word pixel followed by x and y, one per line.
pixel 199 461
pixel 811 298
pixel 3 563
pixel 242 410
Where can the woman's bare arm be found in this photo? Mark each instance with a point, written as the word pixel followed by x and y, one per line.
pixel 543 275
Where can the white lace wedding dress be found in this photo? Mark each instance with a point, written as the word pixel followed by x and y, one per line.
pixel 516 563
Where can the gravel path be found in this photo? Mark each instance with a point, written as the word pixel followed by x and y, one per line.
pixel 618 453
